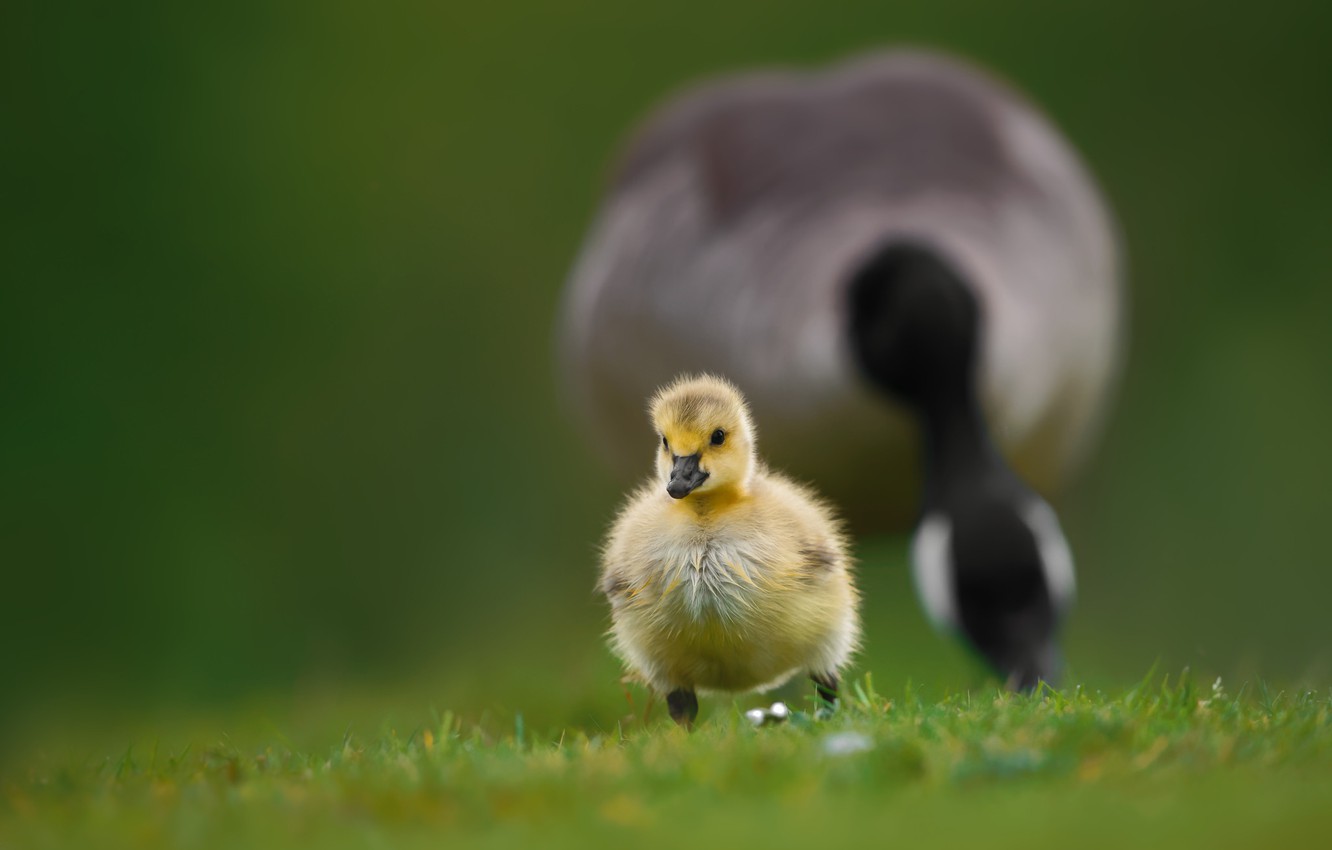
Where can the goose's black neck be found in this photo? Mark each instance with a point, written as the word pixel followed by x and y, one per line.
pixel 956 445
pixel 915 329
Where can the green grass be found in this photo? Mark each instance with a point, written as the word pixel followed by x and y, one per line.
pixel 1163 763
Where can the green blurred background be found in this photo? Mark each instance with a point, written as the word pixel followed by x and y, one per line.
pixel 278 410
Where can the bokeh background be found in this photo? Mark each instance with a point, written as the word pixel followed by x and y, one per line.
pixel 278 420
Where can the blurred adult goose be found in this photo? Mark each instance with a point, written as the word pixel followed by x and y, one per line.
pixel 895 246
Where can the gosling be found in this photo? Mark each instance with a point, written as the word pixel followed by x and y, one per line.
pixel 722 575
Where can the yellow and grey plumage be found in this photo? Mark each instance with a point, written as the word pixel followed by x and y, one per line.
pixel 721 574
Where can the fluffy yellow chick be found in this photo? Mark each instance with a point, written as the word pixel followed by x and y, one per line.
pixel 723 575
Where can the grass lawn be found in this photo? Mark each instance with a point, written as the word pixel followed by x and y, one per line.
pixel 1165 763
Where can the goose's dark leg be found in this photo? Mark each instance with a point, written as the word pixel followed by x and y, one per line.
pixel 683 706
pixel 825 685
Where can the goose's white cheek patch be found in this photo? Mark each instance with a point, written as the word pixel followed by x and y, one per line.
pixel 1056 557
pixel 932 569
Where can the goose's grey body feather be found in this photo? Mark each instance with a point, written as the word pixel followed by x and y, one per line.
pixel 741 210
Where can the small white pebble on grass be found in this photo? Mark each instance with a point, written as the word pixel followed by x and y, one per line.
pixel 847 743
pixel 776 713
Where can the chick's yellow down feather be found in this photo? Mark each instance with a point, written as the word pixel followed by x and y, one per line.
pixel 721 574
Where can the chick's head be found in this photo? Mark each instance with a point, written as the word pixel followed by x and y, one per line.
pixel 705 437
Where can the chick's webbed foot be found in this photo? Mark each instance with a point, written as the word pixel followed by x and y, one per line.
pixel 825 685
pixel 683 705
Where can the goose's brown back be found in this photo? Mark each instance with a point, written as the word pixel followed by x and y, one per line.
pixel 738 214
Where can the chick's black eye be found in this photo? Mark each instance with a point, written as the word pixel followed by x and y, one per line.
pixel 664 444
pixel 718 437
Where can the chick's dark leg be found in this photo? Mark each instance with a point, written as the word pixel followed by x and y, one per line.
pixel 683 705
pixel 825 685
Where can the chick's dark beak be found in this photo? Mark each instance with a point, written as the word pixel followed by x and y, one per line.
pixel 685 476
